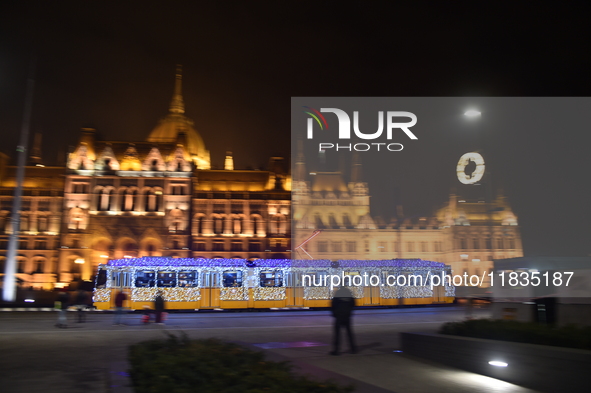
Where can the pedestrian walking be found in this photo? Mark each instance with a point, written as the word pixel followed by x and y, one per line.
pixel 62 305
pixel 119 299
pixel 159 307
pixel 342 309
pixel 81 303
pixel 146 315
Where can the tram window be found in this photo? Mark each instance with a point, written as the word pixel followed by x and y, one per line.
pixel 145 278
pixel 232 278
pixel 117 279
pixel 166 279
pixel 188 279
pixel 271 279
pixel 121 279
pixel 314 279
pixel 101 279
pixel 349 279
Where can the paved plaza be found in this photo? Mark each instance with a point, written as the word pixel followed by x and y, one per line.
pixel 90 357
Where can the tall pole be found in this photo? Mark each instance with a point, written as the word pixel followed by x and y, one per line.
pixel 9 289
pixel 486 181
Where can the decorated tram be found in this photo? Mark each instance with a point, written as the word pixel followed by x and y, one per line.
pixel 195 284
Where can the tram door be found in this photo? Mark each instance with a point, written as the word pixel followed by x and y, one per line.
pixel 439 294
pixel 371 295
pixel 122 281
pixel 210 290
pixel 295 290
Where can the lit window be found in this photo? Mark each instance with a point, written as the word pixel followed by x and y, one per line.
pixel 145 278
pixel 166 279
pixel 271 279
pixel 232 278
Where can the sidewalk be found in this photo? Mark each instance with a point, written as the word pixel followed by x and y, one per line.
pixel 381 370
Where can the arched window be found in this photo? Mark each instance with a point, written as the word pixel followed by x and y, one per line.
pixel 331 221
pixel 42 224
pixel 218 225
pixel 237 225
pixel 20 267
pixel 150 201
pixel 463 244
pixel 273 224
pixel 123 200
pixel 151 249
pixel 346 221
pixel 511 243
pixel 318 221
pixel 106 199
pixel 24 224
pixel 39 266
pixel 200 224
pixel 500 243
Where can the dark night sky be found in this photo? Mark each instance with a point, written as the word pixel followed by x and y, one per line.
pixel 110 65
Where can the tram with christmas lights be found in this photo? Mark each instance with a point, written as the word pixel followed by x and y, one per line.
pixel 198 283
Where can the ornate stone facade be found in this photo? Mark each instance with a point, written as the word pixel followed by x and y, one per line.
pixel 465 234
pixel 157 197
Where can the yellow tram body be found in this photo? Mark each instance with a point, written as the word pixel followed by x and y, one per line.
pixel 193 284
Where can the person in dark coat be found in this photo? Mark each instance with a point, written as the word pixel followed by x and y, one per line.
pixel 342 309
pixel 81 304
pixel 119 299
pixel 62 304
pixel 158 307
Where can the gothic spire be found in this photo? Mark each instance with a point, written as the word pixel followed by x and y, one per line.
pixel 177 105
pixel 356 168
pixel 300 165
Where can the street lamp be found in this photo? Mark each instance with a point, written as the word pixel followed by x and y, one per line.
pixel 471 113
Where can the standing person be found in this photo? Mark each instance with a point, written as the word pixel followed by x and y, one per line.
pixel 81 303
pixel 62 304
pixel 158 307
pixel 119 299
pixel 342 308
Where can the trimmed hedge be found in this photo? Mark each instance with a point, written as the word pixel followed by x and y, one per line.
pixel 522 332
pixel 180 365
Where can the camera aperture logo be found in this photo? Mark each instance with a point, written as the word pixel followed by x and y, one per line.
pixel 393 120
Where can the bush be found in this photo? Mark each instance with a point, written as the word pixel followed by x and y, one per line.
pixel 180 365
pixel 523 332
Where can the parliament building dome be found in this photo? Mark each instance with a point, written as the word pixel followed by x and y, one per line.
pixel 176 122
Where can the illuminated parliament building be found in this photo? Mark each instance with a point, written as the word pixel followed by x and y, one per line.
pixel 160 197
pixel 332 220
pixel 157 197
